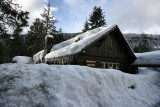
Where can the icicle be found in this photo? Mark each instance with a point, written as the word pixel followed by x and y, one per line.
pixel 54 61
pixel 60 61
pixel 71 59
pixel 67 60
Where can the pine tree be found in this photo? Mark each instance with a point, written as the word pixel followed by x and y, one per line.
pixel 58 37
pixel 35 37
pixel 17 44
pixel 48 20
pixel 11 15
pixel 86 26
pixel 97 18
pixel 143 46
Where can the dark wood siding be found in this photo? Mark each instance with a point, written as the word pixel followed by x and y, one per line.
pixel 109 47
pixel 123 65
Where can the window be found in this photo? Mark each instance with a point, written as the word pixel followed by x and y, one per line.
pixel 90 63
pixel 117 66
pixel 61 62
pixel 114 66
pixel 110 65
pixel 106 64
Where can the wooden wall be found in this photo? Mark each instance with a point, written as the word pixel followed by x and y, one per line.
pixel 110 49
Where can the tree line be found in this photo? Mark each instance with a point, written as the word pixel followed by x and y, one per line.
pixel 143 42
pixel 16 43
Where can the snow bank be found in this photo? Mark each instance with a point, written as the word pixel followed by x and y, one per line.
pixel 23 59
pixel 77 43
pixel 38 57
pixel 23 85
pixel 152 58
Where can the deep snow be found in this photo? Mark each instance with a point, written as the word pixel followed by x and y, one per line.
pixel 148 58
pixel 40 85
pixel 23 59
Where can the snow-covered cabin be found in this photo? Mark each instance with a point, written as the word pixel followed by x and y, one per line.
pixel 103 47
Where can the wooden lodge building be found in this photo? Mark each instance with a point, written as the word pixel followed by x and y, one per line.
pixel 103 47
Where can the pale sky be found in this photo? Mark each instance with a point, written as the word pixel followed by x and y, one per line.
pixel 132 16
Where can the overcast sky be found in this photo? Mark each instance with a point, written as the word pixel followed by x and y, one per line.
pixel 132 16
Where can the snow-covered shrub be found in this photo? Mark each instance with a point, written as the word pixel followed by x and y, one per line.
pixel 22 59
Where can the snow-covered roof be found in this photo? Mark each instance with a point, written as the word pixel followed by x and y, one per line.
pixel 147 58
pixel 77 43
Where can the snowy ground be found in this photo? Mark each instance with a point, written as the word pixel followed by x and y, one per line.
pixel 38 85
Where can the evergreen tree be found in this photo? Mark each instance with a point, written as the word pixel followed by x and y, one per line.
pixel 2 29
pixel 17 41
pixel 12 16
pixel 86 26
pixel 97 18
pixel 48 20
pixel 143 46
pixel 35 37
pixel 136 49
pixel 1 54
pixel 58 37
pixel 35 40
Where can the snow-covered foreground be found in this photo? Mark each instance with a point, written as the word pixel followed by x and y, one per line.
pixel 41 85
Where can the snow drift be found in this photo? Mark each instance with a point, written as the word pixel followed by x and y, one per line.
pixel 75 86
pixel 22 59
pixel 148 58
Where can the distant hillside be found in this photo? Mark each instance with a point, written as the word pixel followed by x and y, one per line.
pixel 134 40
